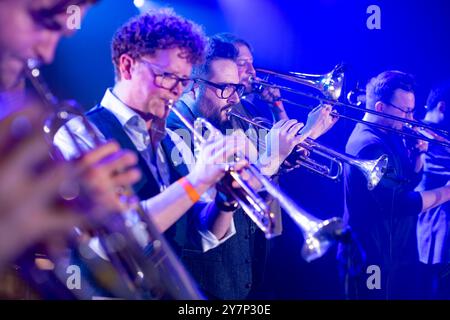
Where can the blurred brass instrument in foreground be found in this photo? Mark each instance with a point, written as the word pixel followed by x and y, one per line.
pixel 132 271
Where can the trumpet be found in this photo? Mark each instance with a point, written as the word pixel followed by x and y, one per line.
pixel 319 235
pixel 252 204
pixel 154 274
pixel 373 170
pixel 330 87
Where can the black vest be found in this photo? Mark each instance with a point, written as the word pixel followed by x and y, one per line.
pixel 235 269
pixel 225 272
pixel 147 187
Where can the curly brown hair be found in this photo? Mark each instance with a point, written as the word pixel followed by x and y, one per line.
pixel 156 30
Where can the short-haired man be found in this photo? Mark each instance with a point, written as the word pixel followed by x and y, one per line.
pixel 384 219
pixel 263 102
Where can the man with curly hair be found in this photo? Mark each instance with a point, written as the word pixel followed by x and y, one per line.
pixel 153 55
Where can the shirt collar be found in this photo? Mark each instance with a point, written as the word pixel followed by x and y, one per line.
pixel 189 101
pixel 120 110
pixel 132 121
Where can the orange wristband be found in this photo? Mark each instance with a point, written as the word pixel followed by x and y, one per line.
pixel 189 188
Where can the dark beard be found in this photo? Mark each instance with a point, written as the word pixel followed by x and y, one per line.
pixel 213 117
pixel 226 126
pixel 222 126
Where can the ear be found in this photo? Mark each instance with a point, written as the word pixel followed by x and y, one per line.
pixel 194 90
pixel 379 106
pixel 126 64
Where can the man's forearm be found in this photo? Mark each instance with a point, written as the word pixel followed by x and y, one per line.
pixel 435 197
pixel 278 111
pixel 167 207
pixel 220 222
pixel 419 162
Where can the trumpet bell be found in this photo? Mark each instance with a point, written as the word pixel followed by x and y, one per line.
pixel 373 170
pixel 322 236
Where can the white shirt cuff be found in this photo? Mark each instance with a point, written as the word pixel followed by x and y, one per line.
pixel 210 241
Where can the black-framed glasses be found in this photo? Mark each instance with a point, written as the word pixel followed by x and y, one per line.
pixel 226 89
pixel 167 80
pixel 402 110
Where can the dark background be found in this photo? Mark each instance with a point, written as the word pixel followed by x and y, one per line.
pixel 303 36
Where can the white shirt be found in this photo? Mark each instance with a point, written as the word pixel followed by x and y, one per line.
pixel 135 127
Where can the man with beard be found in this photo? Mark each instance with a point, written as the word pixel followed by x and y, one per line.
pixel 257 102
pixel 236 269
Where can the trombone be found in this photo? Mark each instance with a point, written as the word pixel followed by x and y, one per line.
pixel 330 84
pixel 330 87
pixel 358 97
pixel 373 170
pixel 319 235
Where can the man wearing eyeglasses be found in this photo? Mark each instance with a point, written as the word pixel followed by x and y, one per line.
pixel 236 269
pixel 153 55
pixel 258 102
pixel 384 219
